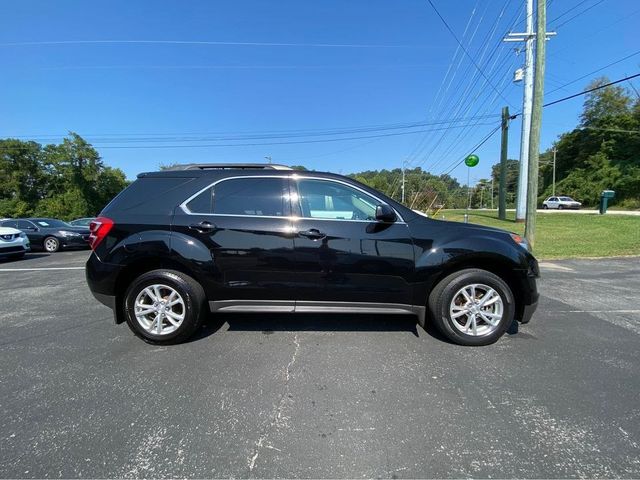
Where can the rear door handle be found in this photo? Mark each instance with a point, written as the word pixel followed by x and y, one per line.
pixel 312 233
pixel 202 227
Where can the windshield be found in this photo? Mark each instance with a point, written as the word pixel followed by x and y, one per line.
pixel 566 199
pixel 49 222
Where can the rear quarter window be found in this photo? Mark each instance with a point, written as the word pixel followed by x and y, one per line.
pixel 150 194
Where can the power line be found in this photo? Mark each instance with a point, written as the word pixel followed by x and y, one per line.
pixel 218 136
pixel 595 71
pixel 482 142
pixel 466 51
pixel 568 11
pixel 564 99
pixel 578 14
pixel 203 43
pixel 272 143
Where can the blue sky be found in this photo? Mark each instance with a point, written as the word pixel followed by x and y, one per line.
pixel 289 67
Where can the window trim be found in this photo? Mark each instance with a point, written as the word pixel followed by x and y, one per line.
pixel 304 177
pixel 293 177
pixel 186 210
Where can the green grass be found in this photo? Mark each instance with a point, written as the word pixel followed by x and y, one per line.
pixel 567 235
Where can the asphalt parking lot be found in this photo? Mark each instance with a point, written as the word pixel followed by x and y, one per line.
pixel 319 396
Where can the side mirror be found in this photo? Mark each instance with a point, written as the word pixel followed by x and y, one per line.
pixel 384 213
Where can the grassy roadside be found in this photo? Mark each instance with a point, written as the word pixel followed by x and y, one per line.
pixel 567 235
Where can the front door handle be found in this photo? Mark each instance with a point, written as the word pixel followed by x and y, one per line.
pixel 312 233
pixel 202 227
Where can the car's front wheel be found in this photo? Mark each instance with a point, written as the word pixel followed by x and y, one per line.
pixel 545 207
pixel 164 306
pixel 472 307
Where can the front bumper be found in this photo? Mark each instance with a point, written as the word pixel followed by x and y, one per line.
pixel 74 242
pixel 529 310
pixel 8 249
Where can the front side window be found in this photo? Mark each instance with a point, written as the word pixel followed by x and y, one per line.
pixel 243 196
pixel 332 200
pixel 23 224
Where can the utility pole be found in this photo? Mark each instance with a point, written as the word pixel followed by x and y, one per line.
pixel 536 123
pixel 268 159
pixel 527 37
pixel 491 192
pixel 553 188
pixel 502 192
pixel 403 167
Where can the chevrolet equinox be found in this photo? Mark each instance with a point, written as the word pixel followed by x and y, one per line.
pixel 180 243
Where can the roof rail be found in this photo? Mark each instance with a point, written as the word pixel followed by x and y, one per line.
pixel 230 166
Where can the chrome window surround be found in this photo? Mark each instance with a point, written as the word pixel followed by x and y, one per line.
pixel 293 177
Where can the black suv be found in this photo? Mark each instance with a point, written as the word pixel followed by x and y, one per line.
pixel 264 238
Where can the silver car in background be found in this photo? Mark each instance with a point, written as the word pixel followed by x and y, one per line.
pixel 13 243
pixel 561 203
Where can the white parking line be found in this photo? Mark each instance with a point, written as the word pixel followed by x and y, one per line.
pixel 596 311
pixel 42 269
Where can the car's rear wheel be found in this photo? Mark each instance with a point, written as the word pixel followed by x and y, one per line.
pixel 164 306
pixel 51 244
pixel 472 307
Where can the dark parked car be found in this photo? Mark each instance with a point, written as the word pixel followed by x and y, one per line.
pixel 82 222
pixel 262 238
pixel 49 233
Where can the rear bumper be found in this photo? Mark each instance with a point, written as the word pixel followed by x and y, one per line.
pixel 101 278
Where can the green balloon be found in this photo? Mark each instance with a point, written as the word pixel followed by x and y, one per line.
pixel 471 160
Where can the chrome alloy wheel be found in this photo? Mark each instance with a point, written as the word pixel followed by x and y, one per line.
pixel 159 309
pixel 51 244
pixel 476 310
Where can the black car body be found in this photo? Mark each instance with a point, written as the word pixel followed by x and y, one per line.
pixel 50 234
pixel 82 222
pixel 254 238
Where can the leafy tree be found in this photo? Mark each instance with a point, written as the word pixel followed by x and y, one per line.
pixel 63 181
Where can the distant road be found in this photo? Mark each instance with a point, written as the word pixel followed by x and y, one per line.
pixel 583 211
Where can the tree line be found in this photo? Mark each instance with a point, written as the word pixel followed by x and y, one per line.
pixel 601 153
pixel 70 180
pixel 67 180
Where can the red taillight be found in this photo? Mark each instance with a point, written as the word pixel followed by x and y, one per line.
pixel 99 229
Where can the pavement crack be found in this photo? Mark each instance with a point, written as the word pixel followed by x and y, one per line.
pixel 277 419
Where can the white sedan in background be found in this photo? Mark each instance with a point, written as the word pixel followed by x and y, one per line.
pixel 561 203
pixel 13 243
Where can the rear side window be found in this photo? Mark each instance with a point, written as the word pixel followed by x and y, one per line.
pixel 243 196
pixel 150 194
pixel 10 223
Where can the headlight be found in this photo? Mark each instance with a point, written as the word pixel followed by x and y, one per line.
pixel 520 240
pixel 66 233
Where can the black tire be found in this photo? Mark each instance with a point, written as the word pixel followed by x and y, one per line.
pixel 560 207
pixel 544 207
pixel 443 294
pixel 51 244
pixel 192 295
